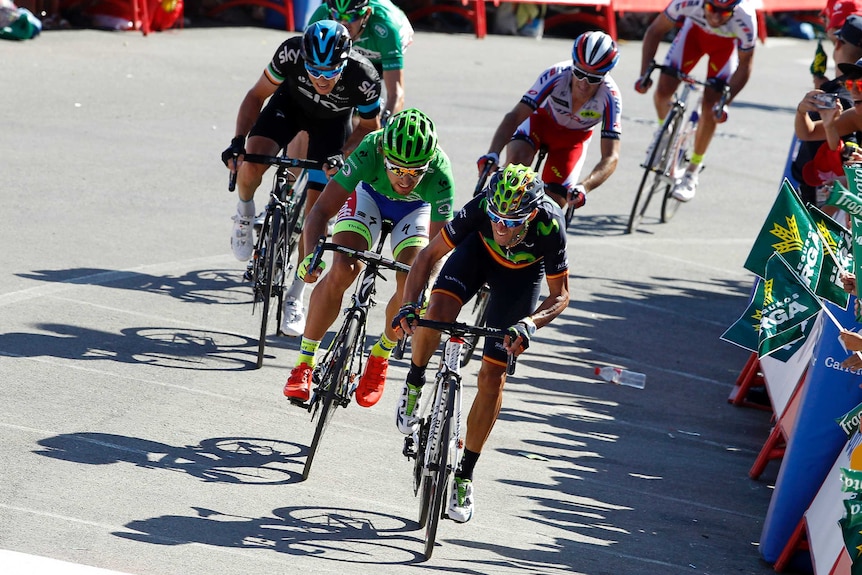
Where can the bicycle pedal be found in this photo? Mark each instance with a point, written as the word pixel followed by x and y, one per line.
pixel 409 450
pixel 299 402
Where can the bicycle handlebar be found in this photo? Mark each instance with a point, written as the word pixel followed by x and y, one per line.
pixel 483 177
pixel 682 76
pixel 282 161
pixel 366 256
pixel 459 329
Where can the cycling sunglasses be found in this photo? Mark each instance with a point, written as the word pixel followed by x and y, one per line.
pixel 581 75
pixel 322 72
pixel 348 17
pixel 401 171
pixel 854 84
pixel 723 12
pixel 508 222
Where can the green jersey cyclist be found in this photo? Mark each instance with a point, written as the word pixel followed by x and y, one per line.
pixel 400 174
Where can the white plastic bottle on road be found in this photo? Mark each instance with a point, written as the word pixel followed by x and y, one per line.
pixel 622 376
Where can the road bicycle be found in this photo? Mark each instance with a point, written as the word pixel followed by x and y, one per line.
pixel 270 264
pixel 335 378
pixel 672 147
pixel 436 446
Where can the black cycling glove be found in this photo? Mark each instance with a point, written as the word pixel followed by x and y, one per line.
pixel 409 312
pixel 236 148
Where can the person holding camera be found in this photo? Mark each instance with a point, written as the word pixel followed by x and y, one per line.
pixel 814 160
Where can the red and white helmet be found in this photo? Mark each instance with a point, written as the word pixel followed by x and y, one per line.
pixel 595 53
pixel 724 4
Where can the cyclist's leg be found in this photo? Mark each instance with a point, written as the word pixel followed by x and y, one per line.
pixel 683 54
pixel 567 151
pixel 521 149
pixel 514 296
pixel 723 59
pixel 356 227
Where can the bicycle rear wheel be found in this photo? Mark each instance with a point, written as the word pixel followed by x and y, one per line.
pixel 480 311
pixel 439 476
pixel 654 179
pixel 334 383
pixel 677 163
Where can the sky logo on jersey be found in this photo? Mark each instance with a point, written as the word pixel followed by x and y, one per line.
pixel 288 55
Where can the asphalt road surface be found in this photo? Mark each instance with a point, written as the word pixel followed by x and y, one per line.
pixel 137 436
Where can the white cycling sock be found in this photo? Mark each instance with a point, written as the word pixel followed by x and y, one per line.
pixel 245 208
pixel 296 289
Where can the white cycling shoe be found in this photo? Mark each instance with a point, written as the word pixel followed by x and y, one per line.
pixel 686 188
pixel 461 501
pixel 292 317
pixel 241 241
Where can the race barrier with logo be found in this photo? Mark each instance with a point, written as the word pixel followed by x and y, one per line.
pixel 815 441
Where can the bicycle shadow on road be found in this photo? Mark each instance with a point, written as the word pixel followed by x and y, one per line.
pixel 175 348
pixel 234 460
pixel 334 534
pixel 209 286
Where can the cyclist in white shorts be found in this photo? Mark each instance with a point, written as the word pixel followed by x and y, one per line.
pixel 398 173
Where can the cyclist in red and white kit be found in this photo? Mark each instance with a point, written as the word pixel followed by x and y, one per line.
pixel 726 31
pixel 559 112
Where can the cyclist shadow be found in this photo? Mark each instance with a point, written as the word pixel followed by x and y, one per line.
pixel 235 460
pixel 181 348
pixel 209 286
pixel 336 534
pixel 597 225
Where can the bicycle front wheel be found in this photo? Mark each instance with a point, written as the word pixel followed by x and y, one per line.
pixel 439 468
pixel 334 384
pixel 654 179
pixel 480 311
pixel 268 268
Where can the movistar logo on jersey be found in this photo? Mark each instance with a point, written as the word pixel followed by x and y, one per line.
pixel 547 229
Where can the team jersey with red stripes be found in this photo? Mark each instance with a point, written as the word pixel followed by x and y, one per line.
pixel 742 26
pixel 553 92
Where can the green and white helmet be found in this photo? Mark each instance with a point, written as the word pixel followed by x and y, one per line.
pixel 409 138
pixel 515 191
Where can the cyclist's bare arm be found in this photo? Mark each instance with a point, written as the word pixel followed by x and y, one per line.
pixel 657 30
pixel 394 82
pixel 806 129
pixel 507 127
pixel 420 272
pixel 362 129
pixel 610 149
pixel 743 72
pixel 551 307
pixel 252 104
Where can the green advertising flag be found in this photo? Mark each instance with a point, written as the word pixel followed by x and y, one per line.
pixel 837 258
pixel 857 258
pixel 848 199
pixel 789 231
pixel 851 529
pixel 787 304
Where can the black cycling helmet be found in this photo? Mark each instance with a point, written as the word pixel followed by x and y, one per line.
pixel 515 191
pixel 326 44
pixel 409 138
pixel 344 9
